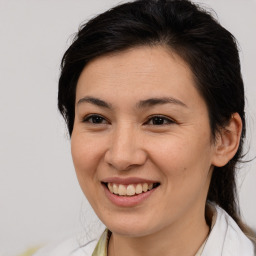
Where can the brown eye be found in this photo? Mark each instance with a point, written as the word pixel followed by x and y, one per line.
pixel 159 120
pixel 95 119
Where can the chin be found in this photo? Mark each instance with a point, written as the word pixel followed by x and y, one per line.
pixel 130 227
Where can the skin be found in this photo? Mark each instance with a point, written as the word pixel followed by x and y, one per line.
pixel 178 153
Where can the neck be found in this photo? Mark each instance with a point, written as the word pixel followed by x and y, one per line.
pixel 169 241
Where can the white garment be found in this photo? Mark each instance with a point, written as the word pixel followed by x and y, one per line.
pixel 70 247
pixel 225 239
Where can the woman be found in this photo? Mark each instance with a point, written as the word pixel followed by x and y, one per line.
pixel 154 102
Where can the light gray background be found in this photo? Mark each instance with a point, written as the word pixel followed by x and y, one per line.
pixel 40 199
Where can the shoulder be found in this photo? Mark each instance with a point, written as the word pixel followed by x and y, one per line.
pixel 226 238
pixel 68 247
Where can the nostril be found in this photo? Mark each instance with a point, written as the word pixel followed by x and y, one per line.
pixel 123 156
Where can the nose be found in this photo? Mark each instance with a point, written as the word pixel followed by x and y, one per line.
pixel 125 149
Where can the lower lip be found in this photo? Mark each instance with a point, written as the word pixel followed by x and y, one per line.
pixel 128 201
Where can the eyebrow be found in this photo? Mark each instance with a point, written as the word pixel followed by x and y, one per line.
pixel 95 101
pixel 141 104
pixel 159 101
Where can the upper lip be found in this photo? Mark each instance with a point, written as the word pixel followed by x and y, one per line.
pixel 127 181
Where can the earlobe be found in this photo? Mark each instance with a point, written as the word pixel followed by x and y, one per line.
pixel 227 141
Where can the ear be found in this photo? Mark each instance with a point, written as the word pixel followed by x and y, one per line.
pixel 227 141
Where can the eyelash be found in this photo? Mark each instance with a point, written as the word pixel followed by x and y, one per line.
pixel 165 120
pixel 87 118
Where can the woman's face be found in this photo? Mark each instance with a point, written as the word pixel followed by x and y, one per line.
pixel 142 129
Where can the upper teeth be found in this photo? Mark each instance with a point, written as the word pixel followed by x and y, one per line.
pixel 129 190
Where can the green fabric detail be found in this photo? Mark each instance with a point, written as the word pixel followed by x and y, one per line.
pixel 101 248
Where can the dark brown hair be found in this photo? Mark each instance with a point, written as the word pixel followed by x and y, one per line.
pixel 192 33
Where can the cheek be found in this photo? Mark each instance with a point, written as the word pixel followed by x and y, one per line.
pixel 86 159
pixel 184 165
pixel 182 157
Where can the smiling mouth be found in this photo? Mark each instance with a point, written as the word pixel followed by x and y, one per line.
pixel 130 189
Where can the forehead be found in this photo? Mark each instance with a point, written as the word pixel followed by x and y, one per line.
pixel 142 71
